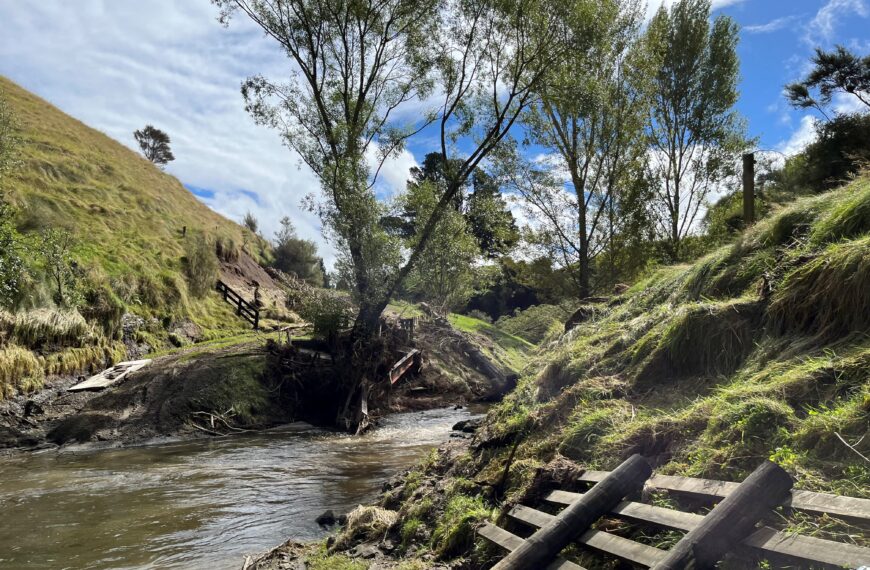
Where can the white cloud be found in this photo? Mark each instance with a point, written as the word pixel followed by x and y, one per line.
pixel 394 173
pixel 119 65
pixel 800 138
pixel 822 26
pixel 771 26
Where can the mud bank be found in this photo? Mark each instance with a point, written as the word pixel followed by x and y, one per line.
pixel 204 392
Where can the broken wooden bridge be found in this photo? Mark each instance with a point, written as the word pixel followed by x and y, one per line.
pixel 731 528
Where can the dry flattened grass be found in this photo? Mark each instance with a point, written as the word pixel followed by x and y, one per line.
pixel 364 523
pixel 20 370
pixel 828 295
pixel 43 327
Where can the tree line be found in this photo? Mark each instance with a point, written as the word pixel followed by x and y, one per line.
pixel 635 127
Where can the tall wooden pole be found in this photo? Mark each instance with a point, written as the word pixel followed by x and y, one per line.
pixel 749 188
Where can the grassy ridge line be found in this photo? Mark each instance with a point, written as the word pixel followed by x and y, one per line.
pixel 127 217
pixel 126 214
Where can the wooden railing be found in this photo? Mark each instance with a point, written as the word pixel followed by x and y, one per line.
pixel 764 542
pixel 244 309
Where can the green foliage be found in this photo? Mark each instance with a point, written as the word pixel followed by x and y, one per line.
pixel 454 531
pixel 250 222
pixel 329 312
pixel 56 250
pixel 443 274
pixel 693 122
pixel 489 219
pixel 590 115
pixel 9 141
pixel 155 145
pixel 833 72
pixel 200 265
pixel 296 256
pixel 11 259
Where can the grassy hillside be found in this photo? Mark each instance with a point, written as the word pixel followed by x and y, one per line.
pixel 758 350
pixel 128 220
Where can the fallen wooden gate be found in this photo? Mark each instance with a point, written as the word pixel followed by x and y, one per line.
pixel 730 528
pixel 411 359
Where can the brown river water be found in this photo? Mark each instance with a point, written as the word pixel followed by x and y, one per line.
pixel 198 504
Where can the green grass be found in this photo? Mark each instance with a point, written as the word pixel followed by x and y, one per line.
pixel 133 225
pixel 508 349
pixel 760 350
pixel 126 215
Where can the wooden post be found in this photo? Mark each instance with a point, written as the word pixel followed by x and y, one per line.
pixel 749 189
pixel 543 546
pixel 731 520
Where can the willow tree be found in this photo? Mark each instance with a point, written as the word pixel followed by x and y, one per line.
pixel 694 132
pixel 589 116
pixel 467 67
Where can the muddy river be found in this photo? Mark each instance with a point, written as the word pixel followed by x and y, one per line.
pixel 198 504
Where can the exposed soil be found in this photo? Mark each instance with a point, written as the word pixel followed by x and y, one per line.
pixel 206 392
pixel 168 398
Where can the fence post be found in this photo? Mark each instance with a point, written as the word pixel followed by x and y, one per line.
pixel 543 546
pixel 731 520
pixel 749 188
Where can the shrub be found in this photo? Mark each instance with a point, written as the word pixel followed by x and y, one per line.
pixel 200 265
pixel 327 311
pixel 11 262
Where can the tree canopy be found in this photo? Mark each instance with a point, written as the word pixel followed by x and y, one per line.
pixel 836 71
pixel 155 145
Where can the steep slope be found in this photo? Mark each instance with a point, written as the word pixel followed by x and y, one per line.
pixel 134 229
pixel 758 350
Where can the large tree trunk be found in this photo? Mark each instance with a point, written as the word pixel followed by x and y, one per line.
pixel 580 191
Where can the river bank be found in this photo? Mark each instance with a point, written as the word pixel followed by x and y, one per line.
pixel 234 387
pixel 205 503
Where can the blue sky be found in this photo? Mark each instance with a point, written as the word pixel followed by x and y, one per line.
pixel 117 65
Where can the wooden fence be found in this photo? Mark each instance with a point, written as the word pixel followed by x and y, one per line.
pixel 733 520
pixel 244 309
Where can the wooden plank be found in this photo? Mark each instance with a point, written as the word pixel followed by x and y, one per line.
pixel 630 550
pixel 501 537
pixel 398 370
pixel 596 539
pixel 668 518
pixel 111 375
pixel 766 539
pixel 809 549
pixel 540 548
pixel 731 521
pixel 847 507
pixel 511 542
